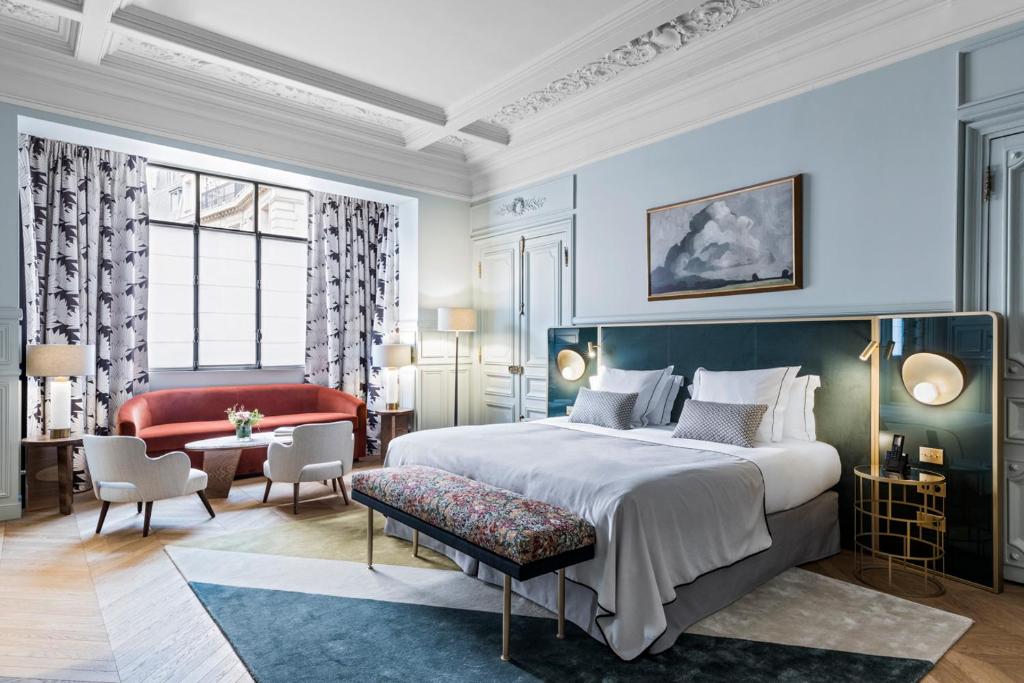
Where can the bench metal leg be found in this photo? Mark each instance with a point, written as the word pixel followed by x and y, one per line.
pixel 369 538
pixel 506 619
pixel 561 603
pixel 415 542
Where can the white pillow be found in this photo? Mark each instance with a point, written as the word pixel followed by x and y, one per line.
pixel 640 382
pixel 799 423
pixel 770 387
pixel 670 400
pixel 657 407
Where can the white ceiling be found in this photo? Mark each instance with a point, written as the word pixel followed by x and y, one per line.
pixel 465 98
pixel 439 51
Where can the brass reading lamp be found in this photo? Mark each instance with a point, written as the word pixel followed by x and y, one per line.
pixel 456 320
pixel 60 362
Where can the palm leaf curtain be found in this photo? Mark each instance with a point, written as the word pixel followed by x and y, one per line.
pixel 85 234
pixel 351 296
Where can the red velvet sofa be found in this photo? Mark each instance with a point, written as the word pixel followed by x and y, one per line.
pixel 168 419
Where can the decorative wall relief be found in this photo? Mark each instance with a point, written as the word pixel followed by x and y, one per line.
pixel 522 205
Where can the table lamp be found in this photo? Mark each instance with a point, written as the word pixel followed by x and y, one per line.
pixel 390 357
pixel 60 362
pixel 456 320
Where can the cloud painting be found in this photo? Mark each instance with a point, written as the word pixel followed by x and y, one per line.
pixel 733 243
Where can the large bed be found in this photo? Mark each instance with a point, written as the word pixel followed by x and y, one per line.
pixel 684 527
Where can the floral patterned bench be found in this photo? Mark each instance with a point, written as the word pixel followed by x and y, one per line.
pixel 518 536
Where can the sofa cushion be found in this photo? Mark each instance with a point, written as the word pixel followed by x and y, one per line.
pixel 506 523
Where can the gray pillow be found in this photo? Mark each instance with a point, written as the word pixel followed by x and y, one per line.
pixel 603 408
pixel 732 423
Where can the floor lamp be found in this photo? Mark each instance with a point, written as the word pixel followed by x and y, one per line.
pixel 456 320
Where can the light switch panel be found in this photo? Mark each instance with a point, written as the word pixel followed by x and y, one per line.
pixel 931 455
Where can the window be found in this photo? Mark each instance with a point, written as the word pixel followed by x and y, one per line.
pixel 227 274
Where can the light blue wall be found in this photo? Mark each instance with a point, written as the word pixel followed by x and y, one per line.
pixel 879 154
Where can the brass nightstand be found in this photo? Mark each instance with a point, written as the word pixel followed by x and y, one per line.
pixel 900 530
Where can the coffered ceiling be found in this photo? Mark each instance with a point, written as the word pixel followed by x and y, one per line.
pixel 460 97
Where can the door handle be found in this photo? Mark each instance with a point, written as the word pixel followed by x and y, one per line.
pixel 515 369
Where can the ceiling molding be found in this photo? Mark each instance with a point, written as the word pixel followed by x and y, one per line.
pixel 680 95
pixel 709 17
pixel 40 79
pixel 588 43
pixel 41 23
pixel 166 32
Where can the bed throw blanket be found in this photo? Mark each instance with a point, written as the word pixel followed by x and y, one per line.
pixel 664 515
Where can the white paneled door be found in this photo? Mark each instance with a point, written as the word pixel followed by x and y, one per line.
pixel 523 287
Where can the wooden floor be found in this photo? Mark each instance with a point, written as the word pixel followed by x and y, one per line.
pixel 81 607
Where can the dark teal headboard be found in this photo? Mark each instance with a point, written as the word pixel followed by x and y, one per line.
pixel 830 348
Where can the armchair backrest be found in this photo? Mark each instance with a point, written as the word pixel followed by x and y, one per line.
pixel 312 444
pixel 123 459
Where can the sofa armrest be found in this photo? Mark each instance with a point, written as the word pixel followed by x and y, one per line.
pixel 134 416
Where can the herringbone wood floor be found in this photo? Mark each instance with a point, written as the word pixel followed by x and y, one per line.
pixel 76 606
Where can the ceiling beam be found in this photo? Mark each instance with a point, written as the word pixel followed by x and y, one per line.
pixel 175 35
pixel 592 42
pixel 93 38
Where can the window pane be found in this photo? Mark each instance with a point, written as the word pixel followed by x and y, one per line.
pixel 170 297
pixel 225 203
pixel 284 212
pixel 172 195
pixel 283 302
pixel 227 298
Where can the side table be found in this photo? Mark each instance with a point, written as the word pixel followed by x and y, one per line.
pixel 393 423
pixel 65 448
pixel 900 519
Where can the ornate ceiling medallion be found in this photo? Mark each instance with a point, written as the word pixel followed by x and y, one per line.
pixel 710 16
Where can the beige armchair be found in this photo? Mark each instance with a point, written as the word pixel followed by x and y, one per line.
pixel 318 452
pixel 123 473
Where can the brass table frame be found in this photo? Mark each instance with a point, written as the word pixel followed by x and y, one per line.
pixel 900 526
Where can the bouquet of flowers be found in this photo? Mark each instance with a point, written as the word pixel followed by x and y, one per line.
pixel 243 420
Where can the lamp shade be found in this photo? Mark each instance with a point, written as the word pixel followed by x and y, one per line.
pixel 932 378
pixel 392 355
pixel 456 320
pixel 60 360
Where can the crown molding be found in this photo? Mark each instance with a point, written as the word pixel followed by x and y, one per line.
pixel 590 42
pixel 175 108
pixel 737 71
pixel 155 28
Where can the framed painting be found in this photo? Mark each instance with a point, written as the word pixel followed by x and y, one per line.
pixel 737 242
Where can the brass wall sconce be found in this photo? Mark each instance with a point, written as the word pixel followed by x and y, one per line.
pixel 932 378
pixel 571 365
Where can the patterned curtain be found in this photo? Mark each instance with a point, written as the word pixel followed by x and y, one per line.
pixel 85 232
pixel 351 296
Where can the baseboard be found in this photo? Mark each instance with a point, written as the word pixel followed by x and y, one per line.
pixel 9 511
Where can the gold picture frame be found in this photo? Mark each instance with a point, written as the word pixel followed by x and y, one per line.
pixel 780 261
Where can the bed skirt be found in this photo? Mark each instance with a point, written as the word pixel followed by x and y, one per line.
pixel 804 534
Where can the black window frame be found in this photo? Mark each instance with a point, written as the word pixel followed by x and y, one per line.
pixel 197 227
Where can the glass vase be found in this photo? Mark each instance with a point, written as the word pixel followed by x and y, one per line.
pixel 243 431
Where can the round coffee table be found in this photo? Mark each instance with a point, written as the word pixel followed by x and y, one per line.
pixel 220 458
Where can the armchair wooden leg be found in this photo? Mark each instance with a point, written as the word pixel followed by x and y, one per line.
pixel 138 507
pixel 344 492
pixel 266 491
pixel 206 503
pixel 149 515
pixel 103 515
pixel 334 485
pixel 295 499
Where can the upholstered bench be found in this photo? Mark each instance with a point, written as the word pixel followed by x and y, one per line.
pixel 520 537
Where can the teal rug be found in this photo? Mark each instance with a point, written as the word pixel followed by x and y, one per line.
pixel 285 636
pixel 297 603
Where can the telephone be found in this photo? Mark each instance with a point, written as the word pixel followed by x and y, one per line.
pixel 896 460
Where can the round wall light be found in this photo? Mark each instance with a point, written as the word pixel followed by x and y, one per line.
pixel 933 379
pixel 571 364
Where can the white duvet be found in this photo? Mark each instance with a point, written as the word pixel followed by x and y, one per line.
pixel 666 510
